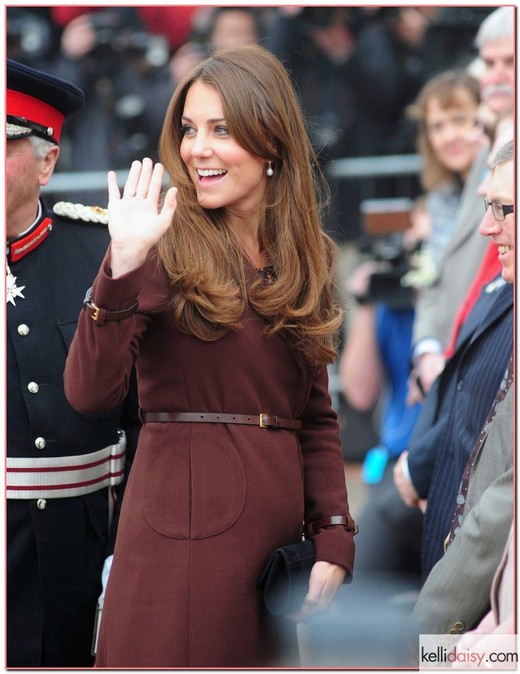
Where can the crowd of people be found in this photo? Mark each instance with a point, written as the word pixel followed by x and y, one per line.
pixel 170 339
pixel 343 61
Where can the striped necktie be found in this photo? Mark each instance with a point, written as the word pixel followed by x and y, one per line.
pixel 460 503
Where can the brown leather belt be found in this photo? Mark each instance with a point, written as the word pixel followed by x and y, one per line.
pixel 263 420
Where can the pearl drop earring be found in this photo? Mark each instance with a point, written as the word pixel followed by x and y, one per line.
pixel 270 169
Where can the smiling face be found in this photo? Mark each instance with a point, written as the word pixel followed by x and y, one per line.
pixel 450 131
pixel 501 189
pixel 225 175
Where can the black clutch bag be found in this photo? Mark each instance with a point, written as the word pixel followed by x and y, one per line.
pixel 284 580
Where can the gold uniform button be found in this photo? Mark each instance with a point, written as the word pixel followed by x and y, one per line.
pixel 41 503
pixel 23 330
pixel 33 387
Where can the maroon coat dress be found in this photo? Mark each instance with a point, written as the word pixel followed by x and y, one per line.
pixel 206 503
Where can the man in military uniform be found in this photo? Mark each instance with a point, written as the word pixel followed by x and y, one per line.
pixel 64 471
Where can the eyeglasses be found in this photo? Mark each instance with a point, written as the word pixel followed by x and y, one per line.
pixel 499 210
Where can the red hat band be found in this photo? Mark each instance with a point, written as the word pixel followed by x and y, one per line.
pixel 34 110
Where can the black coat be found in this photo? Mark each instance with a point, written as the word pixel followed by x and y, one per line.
pixel 55 546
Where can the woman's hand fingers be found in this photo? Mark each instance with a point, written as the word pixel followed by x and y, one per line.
pixel 155 182
pixel 169 205
pixel 132 179
pixel 136 220
pixel 324 583
pixel 144 181
pixel 113 189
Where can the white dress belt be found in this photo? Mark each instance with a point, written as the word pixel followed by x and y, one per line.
pixel 66 476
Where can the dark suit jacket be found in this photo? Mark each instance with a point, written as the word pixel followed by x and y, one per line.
pixel 455 410
pixel 55 552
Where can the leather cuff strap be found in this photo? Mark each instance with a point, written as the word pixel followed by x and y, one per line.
pixel 100 315
pixel 345 521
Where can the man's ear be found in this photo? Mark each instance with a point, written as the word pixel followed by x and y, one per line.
pixel 48 164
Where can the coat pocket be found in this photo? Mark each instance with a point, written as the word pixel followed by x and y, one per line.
pixel 194 482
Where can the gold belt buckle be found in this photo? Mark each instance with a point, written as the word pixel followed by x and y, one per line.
pixel 262 423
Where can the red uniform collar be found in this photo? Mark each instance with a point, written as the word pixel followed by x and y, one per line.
pixel 27 242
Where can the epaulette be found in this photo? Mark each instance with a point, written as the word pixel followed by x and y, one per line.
pixel 80 212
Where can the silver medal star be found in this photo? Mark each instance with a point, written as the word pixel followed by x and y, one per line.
pixel 12 290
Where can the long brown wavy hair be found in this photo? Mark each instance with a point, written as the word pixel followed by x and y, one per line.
pixel 199 253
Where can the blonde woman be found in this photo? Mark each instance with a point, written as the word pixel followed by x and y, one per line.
pixel 446 111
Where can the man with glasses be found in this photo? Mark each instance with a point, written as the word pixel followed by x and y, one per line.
pixel 437 304
pixel 455 409
pixel 499 210
pixel 457 592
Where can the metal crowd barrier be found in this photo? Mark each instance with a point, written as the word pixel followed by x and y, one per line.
pixel 375 167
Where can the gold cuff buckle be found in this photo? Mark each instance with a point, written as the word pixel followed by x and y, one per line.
pixel 95 311
pixel 262 421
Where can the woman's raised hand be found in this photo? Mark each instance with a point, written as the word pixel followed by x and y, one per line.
pixel 134 220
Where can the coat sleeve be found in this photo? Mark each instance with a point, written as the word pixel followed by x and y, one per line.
pixel 131 425
pixel 324 475
pixel 99 376
pixel 99 366
pixel 450 599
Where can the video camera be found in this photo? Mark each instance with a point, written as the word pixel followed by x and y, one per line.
pixel 384 224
